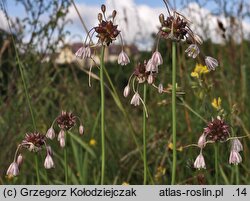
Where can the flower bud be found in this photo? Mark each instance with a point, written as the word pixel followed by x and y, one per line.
pixel 126 91
pixel 150 79
pixel 99 17
pixel 202 141
pixel 103 8
pixel 160 88
pixel 19 160
pixel 161 18
pixel 114 13
pixel 81 129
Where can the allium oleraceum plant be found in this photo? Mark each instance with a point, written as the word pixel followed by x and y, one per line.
pixel 106 32
pixel 218 131
pixel 176 28
pixel 65 121
pixel 33 142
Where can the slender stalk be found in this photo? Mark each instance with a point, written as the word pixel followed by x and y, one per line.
pixel 216 163
pixel 192 110
pixel 144 136
pixel 237 175
pixel 66 160
pixel 37 170
pixel 174 110
pixel 102 114
pixel 125 113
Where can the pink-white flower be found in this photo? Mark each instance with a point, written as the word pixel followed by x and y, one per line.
pixel 160 88
pixel 151 66
pixel 198 39
pixel 135 99
pixel 87 52
pixel 79 53
pixel 235 157
pixel 193 50
pixel 13 170
pixel 48 162
pixel 200 162
pixel 81 129
pixel 157 58
pixel 126 91
pixel 123 58
pixel 202 141
pixel 236 145
pixel 61 138
pixel 150 78
pixel 211 63
pixel 19 160
pixel 50 133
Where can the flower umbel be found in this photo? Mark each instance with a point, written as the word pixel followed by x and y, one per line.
pixel 65 121
pixel 34 142
pixel 217 130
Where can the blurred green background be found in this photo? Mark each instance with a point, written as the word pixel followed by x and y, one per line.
pixel 55 83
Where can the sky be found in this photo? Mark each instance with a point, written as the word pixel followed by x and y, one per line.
pixel 142 18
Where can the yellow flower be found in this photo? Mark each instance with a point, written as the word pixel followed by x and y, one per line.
pixel 92 142
pixel 170 146
pixel 216 103
pixel 125 183
pixel 199 70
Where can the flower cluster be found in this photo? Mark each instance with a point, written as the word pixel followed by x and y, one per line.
pixel 65 121
pixel 107 32
pixel 218 131
pixel 145 72
pixel 33 142
pixel 177 28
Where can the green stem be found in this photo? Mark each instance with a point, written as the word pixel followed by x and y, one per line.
pixel 144 137
pixel 66 160
pixel 174 110
pixel 192 110
pixel 37 170
pixel 237 174
pixel 102 114
pixel 125 113
pixel 216 163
